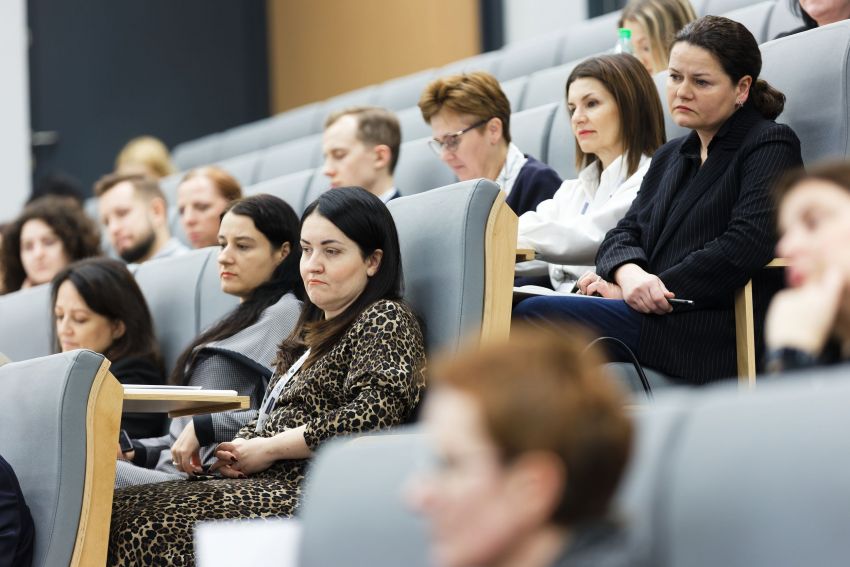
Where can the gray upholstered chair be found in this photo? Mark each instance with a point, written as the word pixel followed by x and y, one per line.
pixel 184 298
pixel 364 478
pixel 26 325
pixel 200 151
pixel 482 62
pixel 755 18
pixel 289 157
pixel 525 57
pixel 419 169
pixel 403 92
pixel 514 89
pixel 530 129
pixel 412 125
pixel 721 7
pixel 458 249
pixel 548 85
pixel 561 149
pixel 58 430
pixel 291 188
pixel 583 39
pixel 243 167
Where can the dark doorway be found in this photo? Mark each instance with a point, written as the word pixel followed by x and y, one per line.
pixel 599 7
pixel 103 72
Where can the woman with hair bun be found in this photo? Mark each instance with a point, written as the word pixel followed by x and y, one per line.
pixel 702 223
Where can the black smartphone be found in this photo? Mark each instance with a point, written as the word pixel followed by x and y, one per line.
pixel 124 441
pixel 681 304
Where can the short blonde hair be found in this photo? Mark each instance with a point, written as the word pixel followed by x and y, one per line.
pixel 145 154
pixel 661 19
pixel 477 94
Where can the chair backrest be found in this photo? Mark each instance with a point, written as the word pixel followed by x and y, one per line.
pixel 525 57
pixel 820 116
pixel 358 97
pixel 291 188
pixel 548 85
pixel 243 168
pixel 561 149
pixel 26 323
pixel 596 35
pixel 403 92
pixel 180 312
pixel 530 129
pixel 482 62
pixel 514 89
pixel 412 125
pixel 59 420
pixel 201 151
pixel 757 479
pixel 242 139
pixel 289 157
pixel 755 18
pixel 722 7
pixel 367 476
pixel 458 247
pixel 782 19
pixel 419 169
pixel 294 124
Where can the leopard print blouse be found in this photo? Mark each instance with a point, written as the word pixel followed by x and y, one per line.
pixel 371 379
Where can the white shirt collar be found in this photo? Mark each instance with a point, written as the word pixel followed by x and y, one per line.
pixel 514 162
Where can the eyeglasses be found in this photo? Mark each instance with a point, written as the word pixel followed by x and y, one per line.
pixel 450 142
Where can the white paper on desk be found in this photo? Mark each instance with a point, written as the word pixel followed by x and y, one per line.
pixel 533 290
pixel 158 387
pixel 248 542
pixel 172 392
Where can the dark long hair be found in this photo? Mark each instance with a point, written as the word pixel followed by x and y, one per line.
pixel 738 53
pixel 798 10
pixel 110 290
pixel 365 219
pixel 638 105
pixel 279 224
pixel 79 235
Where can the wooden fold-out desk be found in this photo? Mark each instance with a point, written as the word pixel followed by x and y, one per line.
pixel 177 403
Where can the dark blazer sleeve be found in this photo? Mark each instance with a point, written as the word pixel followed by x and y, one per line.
pixel 535 183
pixel 623 244
pixel 16 525
pixel 140 370
pixel 725 263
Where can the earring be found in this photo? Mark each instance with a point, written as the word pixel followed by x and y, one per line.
pixel 739 104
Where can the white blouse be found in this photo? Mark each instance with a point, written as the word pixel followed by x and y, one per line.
pixel 566 230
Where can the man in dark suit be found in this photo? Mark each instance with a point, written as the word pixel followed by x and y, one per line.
pixel 360 146
pixel 16 526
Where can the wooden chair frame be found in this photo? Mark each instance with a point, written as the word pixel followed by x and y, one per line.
pixel 745 337
pixel 499 264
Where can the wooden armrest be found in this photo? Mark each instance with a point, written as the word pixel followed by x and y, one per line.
pixel 524 254
pixel 778 263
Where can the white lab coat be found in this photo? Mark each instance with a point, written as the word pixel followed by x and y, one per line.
pixel 566 230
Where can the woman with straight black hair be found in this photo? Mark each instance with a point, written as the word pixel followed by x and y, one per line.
pixel 258 263
pixel 817 13
pixel 97 305
pixel 701 225
pixel 353 364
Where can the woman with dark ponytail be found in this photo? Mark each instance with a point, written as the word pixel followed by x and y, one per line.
pixel 702 223
pixel 258 263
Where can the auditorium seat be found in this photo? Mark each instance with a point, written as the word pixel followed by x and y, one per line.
pixel 548 85
pixel 591 37
pixel 525 57
pixel 369 474
pixel 412 125
pixel 811 69
pixel 357 97
pixel 59 421
pixel 291 188
pixel 169 186
pixel 561 149
pixel 200 151
pixel 782 19
pixel 530 129
pixel 243 139
pixel 403 92
pixel 244 167
pixel 481 62
pixel 294 124
pixel 183 295
pixel 458 248
pixel 514 90
pixel 289 157
pixel 755 18
pixel 26 325
pixel 419 169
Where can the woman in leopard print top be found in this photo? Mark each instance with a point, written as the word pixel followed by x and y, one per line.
pixel 358 356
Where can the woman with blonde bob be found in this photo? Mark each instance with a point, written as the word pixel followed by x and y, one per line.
pixel 531 441
pixel 146 155
pixel 470 120
pixel 654 24
pixel 618 123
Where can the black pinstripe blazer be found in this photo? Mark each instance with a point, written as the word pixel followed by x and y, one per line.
pixel 705 231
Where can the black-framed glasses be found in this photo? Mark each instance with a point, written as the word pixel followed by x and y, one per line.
pixel 450 142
